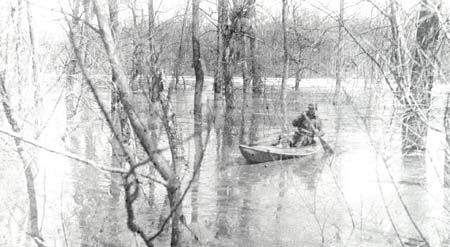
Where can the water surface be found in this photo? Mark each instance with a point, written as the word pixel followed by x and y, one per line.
pixel 367 194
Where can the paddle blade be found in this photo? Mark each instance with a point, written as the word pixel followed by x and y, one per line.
pixel 326 147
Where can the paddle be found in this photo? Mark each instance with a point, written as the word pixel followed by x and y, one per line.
pixel 326 147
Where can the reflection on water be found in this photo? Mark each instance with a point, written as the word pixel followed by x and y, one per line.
pixel 316 201
pixel 97 206
pixel 224 187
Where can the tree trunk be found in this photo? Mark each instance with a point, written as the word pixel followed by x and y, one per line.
pixel 18 79
pixel 285 67
pixel 218 76
pixel 33 211
pixel 245 82
pixel 446 176
pixel 199 78
pixel 255 119
pixel 174 195
pixel 227 75
pixel 118 115
pixel 71 83
pixel 34 73
pixel 180 54
pixel 125 92
pixel 414 128
pixel 227 34
pixel 257 86
pixel 151 27
pixel 339 54
pixel 167 172
pixel 33 220
pixel 298 78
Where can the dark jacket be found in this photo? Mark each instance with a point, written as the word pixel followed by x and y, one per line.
pixel 304 125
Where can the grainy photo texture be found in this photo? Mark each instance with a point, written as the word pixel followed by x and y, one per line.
pixel 314 123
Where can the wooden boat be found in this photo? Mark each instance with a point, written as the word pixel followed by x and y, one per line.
pixel 266 153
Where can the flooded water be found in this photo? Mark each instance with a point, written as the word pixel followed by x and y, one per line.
pixel 367 194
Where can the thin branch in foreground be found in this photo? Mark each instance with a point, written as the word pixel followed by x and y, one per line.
pixel 191 181
pixel 63 153
pixel 95 93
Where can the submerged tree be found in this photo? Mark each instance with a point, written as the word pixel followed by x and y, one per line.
pixel 181 53
pixel 228 30
pixel 285 66
pixel 339 52
pixel 13 88
pixel 257 84
pixel 410 80
pixel 199 78
pixel 167 170
pixel 417 93
pixel 218 72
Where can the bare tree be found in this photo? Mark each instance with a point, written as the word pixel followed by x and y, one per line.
pixel 27 162
pixel 118 115
pixel 228 29
pixel 339 52
pixel 168 171
pixel 446 176
pixel 307 40
pixel 151 27
pixel 285 65
pixel 412 82
pixel 199 78
pixel 414 129
pixel 218 75
pixel 180 53
pixel 10 80
pixel 231 28
pixel 257 86
pixel 34 71
pixel 71 98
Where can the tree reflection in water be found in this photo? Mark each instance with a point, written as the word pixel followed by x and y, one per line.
pixel 224 187
pixel 97 207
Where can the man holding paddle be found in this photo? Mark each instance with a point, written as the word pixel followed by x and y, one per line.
pixel 308 125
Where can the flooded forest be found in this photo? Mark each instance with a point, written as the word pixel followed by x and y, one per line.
pixel 167 123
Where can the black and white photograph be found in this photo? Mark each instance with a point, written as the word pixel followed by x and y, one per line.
pixel 225 123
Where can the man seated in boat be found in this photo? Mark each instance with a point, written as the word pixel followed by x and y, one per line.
pixel 308 126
